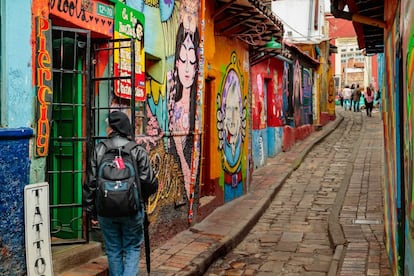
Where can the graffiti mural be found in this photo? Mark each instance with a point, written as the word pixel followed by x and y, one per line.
pixel 408 147
pixel 231 126
pixel 182 101
pixel 392 189
pixel 277 104
pixel 297 94
pixel 287 100
pixel 172 85
pixel 307 96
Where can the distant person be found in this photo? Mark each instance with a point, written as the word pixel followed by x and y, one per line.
pixel 352 95
pixel 347 93
pixel 356 98
pixel 341 98
pixel 369 101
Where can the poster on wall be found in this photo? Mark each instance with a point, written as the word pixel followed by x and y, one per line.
pixel 129 23
pixel 37 230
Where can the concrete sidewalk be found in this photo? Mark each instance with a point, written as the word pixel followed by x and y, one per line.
pixel 192 251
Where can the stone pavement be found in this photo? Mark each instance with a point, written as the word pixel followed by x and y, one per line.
pixel 360 211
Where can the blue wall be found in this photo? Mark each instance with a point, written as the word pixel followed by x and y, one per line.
pixel 274 136
pixel 259 142
pixel 14 175
pixel 266 143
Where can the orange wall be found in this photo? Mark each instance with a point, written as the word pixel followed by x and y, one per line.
pixel 221 55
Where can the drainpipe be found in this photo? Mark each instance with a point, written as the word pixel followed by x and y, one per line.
pixel 310 24
pixel 355 17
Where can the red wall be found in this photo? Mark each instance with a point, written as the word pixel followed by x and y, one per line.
pixel 270 72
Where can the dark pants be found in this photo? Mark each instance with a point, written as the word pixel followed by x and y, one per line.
pixel 369 107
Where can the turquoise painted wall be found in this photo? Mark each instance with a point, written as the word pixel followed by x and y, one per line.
pixel 274 136
pixel 16 68
pixel 260 148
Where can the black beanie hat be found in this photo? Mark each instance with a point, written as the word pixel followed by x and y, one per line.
pixel 119 122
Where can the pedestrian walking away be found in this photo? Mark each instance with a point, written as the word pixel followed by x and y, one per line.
pixel 369 101
pixel 347 94
pixel 123 233
pixel 356 97
pixel 352 95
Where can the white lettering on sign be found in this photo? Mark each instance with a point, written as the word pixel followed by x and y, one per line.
pixel 36 215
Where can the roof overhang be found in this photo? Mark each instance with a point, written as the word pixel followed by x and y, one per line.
pixel 367 17
pixel 250 21
pixel 297 53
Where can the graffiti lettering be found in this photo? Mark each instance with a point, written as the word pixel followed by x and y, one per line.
pixel 73 8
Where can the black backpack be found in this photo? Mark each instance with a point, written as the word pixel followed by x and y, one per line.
pixel 117 185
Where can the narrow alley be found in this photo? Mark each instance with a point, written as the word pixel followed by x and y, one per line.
pixel 339 181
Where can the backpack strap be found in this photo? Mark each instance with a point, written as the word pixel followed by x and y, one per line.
pixel 128 147
pixel 108 146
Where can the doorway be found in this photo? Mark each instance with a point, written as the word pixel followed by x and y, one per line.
pixel 65 168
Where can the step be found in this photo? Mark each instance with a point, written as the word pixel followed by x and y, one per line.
pixel 69 257
pixel 95 267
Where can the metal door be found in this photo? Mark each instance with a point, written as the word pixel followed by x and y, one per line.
pixel 65 163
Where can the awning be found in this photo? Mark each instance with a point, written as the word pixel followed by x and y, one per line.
pixel 367 17
pixel 250 21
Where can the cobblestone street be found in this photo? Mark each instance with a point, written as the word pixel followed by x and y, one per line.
pixel 339 178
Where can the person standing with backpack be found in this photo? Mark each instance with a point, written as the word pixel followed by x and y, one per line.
pixel 119 182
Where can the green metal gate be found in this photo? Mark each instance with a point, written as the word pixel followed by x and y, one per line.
pixel 65 163
pixel 84 81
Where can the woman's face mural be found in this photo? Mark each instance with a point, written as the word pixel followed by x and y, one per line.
pixel 186 63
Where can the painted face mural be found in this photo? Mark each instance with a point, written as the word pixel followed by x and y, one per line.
pixel 297 93
pixel 232 119
pixel 182 108
pixel 186 63
pixel 231 125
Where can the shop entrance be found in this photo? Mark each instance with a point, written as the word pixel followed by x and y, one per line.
pixel 85 78
pixel 65 163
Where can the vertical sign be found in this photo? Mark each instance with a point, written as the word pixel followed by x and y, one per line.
pixel 37 232
pixel 129 23
pixel 44 85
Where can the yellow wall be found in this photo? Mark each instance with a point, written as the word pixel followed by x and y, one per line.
pixel 221 54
